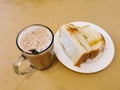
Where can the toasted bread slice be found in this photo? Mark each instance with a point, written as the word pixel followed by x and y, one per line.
pixel 73 47
pixel 94 39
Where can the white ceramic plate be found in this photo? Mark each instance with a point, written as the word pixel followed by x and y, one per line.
pixel 90 66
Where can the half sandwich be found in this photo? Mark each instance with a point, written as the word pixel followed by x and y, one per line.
pixel 80 43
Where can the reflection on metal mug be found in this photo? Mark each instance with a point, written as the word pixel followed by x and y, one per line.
pixel 36 44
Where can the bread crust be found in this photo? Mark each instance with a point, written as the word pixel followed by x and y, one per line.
pixel 82 59
pixel 103 40
pixel 94 53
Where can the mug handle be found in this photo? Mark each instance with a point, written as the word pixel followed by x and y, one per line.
pixel 18 63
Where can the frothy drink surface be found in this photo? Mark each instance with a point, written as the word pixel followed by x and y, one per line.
pixel 34 38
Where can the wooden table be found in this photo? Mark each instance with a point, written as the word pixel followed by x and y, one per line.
pixel 16 14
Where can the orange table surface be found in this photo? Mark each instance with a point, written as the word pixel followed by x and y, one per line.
pixel 17 14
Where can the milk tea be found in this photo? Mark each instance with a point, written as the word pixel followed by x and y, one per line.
pixel 36 43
